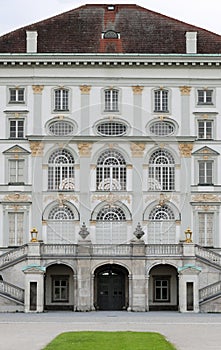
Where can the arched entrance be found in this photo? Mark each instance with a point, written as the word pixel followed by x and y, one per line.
pixel 59 288
pixel 111 287
pixel 163 288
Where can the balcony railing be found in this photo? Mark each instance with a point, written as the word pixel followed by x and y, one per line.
pixel 209 255
pixel 164 250
pixel 59 249
pixel 210 291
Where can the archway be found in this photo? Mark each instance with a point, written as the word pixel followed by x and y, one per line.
pixel 163 288
pixel 111 287
pixel 59 288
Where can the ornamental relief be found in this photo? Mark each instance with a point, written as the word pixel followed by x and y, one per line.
pixel 61 198
pixel 17 197
pixel 85 89
pixel 137 90
pixel 185 149
pixel 37 148
pixel 84 149
pixel 111 198
pixel 37 89
pixel 137 149
pixel 185 90
pixel 206 198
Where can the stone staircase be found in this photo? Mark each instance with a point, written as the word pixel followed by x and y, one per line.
pixel 13 256
pixel 12 292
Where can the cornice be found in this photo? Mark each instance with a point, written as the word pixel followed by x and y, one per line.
pixel 127 60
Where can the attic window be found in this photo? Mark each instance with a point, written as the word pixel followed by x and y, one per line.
pixel 111 8
pixel 110 34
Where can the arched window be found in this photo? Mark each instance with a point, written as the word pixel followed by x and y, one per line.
pixel 111 171
pixel 60 225
pixel 161 171
pixel 110 227
pixel 162 228
pixel 61 170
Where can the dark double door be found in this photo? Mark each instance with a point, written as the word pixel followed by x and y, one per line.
pixel 111 291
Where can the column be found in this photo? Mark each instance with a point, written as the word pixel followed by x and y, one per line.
pixel 37 184
pixel 85 115
pixel 185 110
pixel 84 197
pixel 137 110
pixel 185 185
pixel 84 276
pixel 37 109
pixel 137 152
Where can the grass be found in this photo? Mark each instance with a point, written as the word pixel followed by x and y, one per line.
pixel 109 340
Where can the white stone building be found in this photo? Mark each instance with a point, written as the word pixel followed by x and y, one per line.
pixel 110 146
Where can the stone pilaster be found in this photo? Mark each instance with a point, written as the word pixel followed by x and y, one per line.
pixel 85 110
pixel 137 110
pixel 185 110
pixel 37 109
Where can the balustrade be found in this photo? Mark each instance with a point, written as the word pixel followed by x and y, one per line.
pixel 209 291
pixel 13 255
pixel 12 291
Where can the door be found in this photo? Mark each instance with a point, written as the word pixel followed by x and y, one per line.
pixel 111 291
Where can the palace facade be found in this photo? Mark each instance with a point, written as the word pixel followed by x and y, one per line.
pixel 110 143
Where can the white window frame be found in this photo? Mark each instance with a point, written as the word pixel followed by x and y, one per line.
pixel 161 100
pixel 61 99
pixel 111 103
pixel 61 175
pixel 16 174
pixel 18 95
pixel 206 97
pixel 16 237
pixel 16 130
pixel 206 172
pixel 205 231
pixel 204 131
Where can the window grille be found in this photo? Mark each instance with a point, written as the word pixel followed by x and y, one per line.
pixel 61 128
pixel 161 101
pixel 205 96
pixel 60 228
pixel 110 227
pixel 162 226
pixel 206 227
pixel 161 171
pixel 17 95
pixel 162 128
pixel 16 128
pixel 111 171
pixel 61 100
pixel 111 98
pixel 61 171
pixel 112 129
pixel 205 129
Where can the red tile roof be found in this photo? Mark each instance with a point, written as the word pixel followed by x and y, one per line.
pixel 139 31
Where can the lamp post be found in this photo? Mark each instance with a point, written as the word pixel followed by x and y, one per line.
pixel 188 234
pixel 34 235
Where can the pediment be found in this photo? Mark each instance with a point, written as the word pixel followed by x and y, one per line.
pixel 189 269
pixel 16 150
pixel 205 151
pixel 34 269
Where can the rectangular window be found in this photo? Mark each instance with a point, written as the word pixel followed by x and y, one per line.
pixel 161 101
pixel 205 129
pixel 205 172
pixel 111 101
pixel 206 227
pixel 60 289
pixel 16 228
pixel 16 128
pixel 161 289
pixel 16 95
pixel 61 100
pixel 205 97
pixel 16 170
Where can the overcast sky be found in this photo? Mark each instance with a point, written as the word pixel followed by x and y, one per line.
pixel 15 14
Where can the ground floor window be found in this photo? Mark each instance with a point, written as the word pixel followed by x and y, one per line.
pixel 60 288
pixel 161 289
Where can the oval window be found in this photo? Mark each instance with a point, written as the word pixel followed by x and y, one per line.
pixel 111 129
pixel 162 128
pixel 61 128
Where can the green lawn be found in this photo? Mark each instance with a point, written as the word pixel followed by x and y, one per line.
pixel 109 340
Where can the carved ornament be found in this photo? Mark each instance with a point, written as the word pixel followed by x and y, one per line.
pixel 185 90
pixel 137 90
pixel 206 198
pixel 137 149
pixel 111 198
pixel 16 197
pixel 84 149
pixel 37 89
pixel 185 149
pixel 85 89
pixel 37 148
pixel 61 198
